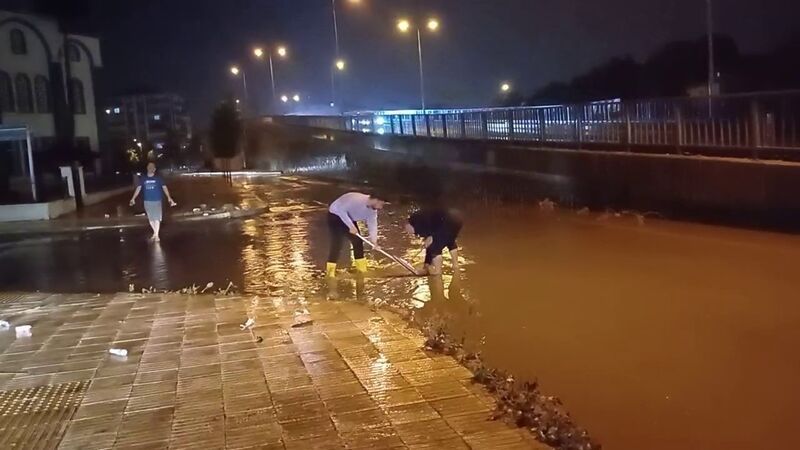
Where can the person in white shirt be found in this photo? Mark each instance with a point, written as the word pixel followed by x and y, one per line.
pixel 343 214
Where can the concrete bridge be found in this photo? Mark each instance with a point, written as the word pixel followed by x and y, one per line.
pixel 735 159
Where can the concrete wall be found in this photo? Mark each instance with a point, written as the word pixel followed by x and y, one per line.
pixel 731 190
pixel 55 208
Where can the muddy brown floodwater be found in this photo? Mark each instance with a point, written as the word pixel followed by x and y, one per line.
pixel 658 336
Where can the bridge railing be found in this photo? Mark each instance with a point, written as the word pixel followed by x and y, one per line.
pixel 746 121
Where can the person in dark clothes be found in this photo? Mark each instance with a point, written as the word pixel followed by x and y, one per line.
pixel 153 187
pixel 439 227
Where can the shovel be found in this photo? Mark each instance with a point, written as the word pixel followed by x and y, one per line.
pixel 396 259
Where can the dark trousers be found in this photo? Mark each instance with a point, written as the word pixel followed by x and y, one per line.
pixel 338 232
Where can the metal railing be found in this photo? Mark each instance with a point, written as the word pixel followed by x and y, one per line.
pixel 745 121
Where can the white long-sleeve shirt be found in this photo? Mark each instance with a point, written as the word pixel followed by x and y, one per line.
pixel 352 207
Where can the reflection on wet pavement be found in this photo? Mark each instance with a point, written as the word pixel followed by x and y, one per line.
pixel 660 336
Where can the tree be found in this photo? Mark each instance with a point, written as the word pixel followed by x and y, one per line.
pixel 226 131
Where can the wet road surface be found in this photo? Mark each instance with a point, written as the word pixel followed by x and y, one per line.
pixel 658 336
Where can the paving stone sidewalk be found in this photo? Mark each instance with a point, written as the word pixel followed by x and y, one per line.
pixel 352 378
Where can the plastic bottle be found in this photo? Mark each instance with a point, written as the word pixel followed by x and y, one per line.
pixel 118 352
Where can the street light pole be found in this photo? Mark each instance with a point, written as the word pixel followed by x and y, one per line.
pixel 272 79
pixel 421 70
pixel 335 50
pixel 710 33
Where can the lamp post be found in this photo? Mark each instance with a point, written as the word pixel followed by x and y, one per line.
pixel 404 25
pixel 710 33
pixel 338 63
pixel 281 52
pixel 235 71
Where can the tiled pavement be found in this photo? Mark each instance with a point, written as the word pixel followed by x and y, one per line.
pixel 353 378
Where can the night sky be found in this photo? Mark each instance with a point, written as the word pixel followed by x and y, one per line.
pixel 186 46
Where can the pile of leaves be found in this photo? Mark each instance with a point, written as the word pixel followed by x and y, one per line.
pixel 521 403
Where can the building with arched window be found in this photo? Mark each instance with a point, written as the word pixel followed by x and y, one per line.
pixel 33 90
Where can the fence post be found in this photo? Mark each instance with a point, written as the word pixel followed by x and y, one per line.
pixel 510 119
pixel 427 124
pixel 484 125
pixel 542 125
pixel 401 124
pixel 463 125
pixel 678 129
pixel 579 124
pixel 391 123
pixel 414 124
pixel 755 124
pixel 444 125
pixel 628 128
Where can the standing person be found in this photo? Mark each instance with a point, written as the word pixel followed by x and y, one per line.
pixel 440 227
pixel 153 186
pixel 343 214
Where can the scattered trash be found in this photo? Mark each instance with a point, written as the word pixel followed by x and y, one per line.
pixel 23 331
pixel 130 287
pixel 519 402
pixel 108 216
pixel 118 351
pixel 4 325
pixel 205 214
pixel 259 339
pixel 547 205
pixel 196 210
pixel 247 325
pixel 208 286
pixel 303 324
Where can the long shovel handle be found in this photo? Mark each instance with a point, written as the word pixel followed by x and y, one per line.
pixel 396 259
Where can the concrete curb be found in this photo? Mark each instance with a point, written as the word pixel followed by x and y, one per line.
pixel 54 227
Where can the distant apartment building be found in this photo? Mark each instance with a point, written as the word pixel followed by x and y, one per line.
pixel 157 119
pixel 38 92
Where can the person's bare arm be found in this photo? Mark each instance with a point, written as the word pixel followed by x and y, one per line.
pixel 169 197
pixel 135 194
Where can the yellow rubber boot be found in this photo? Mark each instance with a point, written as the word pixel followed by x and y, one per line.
pixel 330 270
pixel 361 265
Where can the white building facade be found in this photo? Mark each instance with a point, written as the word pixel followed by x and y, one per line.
pixel 34 83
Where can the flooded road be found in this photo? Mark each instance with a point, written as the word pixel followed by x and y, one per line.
pixel 656 336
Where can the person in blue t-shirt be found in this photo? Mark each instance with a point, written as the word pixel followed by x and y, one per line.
pixel 152 185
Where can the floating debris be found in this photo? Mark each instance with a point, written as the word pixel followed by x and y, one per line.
pixel 131 287
pixel 303 324
pixel 4 325
pixel 521 403
pixel 208 286
pixel 547 205
pixel 259 339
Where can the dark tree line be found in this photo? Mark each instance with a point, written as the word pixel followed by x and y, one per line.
pixel 672 70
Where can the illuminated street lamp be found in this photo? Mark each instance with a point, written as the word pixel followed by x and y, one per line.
pixel 235 71
pixel 282 53
pixel 284 98
pixel 432 24
pixel 505 87
pixel 296 98
pixel 339 63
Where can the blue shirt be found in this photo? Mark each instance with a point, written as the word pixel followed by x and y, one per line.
pixel 151 188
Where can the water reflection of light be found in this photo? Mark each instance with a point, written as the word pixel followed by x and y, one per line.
pixel 158 267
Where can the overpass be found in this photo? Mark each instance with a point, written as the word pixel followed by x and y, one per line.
pixel 733 157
